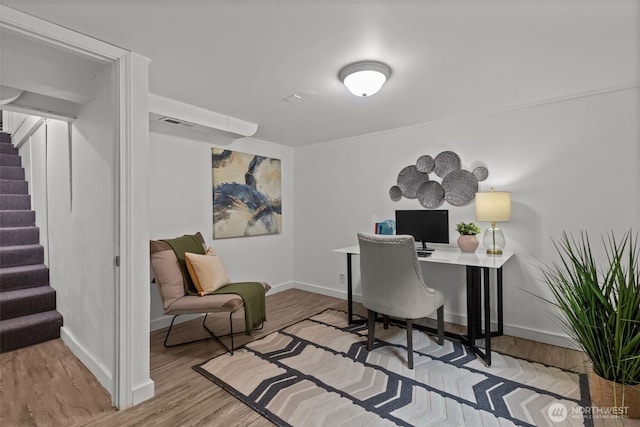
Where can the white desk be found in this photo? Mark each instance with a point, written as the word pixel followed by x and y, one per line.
pixel 478 265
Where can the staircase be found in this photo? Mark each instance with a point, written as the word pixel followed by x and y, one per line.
pixel 27 303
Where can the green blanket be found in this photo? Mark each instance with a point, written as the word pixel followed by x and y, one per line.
pixel 180 245
pixel 254 302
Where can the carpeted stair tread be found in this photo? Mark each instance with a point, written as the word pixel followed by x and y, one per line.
pixel 13 186
pixel 5 137
pixel 11 236
pixel 11 172
pixel 10 160
pixel 13 202
pixel 13 256
pixel 17 218
pixel 8 148
pixel 24 302
pixel 28 330
pixel 24 276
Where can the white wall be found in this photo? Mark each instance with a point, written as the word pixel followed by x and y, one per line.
pixel 180 200
pixel 569 165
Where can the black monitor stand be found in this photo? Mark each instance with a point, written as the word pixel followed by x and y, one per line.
pixel 426 248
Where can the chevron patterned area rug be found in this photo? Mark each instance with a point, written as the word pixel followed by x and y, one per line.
pixel 318 372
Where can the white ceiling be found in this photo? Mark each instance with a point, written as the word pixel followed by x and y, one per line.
pixel 448 58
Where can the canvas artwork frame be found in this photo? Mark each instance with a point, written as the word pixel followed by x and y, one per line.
pixel 247 194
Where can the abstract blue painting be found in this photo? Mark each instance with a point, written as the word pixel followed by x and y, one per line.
pixel 247 194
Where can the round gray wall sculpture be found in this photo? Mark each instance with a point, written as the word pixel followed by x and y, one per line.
pixel 425 164
pixel 410 180
pixel 395 193
pixel 460 187
pixel 431 194
pixel 445 163
pixel 481 173
pixel 457 187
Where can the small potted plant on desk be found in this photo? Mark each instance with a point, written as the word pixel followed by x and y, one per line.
pixel 601 308
pixel 468 241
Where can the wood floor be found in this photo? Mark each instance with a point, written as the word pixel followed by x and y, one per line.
pixel 45 385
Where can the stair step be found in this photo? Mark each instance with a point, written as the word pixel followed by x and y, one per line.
pixel 11 172
pixel 12 236
pixel 8 148
pixel 14 256
pixel 19 218
pixel 5 137
pixel 24 302
pixel 13 202
pixel 24 276
pixel 28 330
pixel 13 186
pixel 10 160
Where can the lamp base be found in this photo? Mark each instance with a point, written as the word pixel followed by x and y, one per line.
pixel 493 240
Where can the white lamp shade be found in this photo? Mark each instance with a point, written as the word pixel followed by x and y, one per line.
pixel 364 78
pixel 493 206
pixel 364 83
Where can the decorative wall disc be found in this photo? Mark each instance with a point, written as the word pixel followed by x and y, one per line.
pixel 456 186
pixel 431 194
pixel 410 180
pixel 481 173
pixel 425 164
pixel 460 187
pixel 395 193
pixel 446 162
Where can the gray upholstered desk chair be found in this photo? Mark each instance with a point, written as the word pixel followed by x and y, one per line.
pixel 392 285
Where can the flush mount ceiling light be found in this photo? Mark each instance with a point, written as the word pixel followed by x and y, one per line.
pixel 364 78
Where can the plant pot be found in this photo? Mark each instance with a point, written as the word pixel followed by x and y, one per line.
pixel 468 243
pixel 609 394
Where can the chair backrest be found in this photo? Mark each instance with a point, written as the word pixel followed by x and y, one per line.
pixel 166 270
pixel 392 281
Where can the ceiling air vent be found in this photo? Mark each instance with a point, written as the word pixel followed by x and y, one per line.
pixel 189 116
pixel 173 121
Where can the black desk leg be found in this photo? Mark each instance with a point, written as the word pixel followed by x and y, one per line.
pixel 349 289
pixel 474 306
pixel 500 318
pixel 487 316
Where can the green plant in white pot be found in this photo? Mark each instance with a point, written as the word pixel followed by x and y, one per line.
pixel 467 241
pixel 601 308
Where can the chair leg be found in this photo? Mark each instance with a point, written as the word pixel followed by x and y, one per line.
pixel 410 342
pixel 166 337
pixel 385 321
pixel 371 323
pixel 212 334
pixel 441 325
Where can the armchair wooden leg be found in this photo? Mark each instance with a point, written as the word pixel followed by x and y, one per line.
pixel 371 323
pixel 441 325
pixel 410 342
pixel 385 321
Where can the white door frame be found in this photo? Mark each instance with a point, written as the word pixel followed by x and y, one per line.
pixel 131 383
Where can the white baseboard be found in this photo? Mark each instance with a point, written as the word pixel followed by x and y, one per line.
pixel 102 374
pixel 164 321
pixel 546 337
pixel 143 392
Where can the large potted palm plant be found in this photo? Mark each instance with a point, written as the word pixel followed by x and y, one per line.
pixel 601 308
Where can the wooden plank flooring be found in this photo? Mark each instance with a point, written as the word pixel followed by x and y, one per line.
pixel 45 385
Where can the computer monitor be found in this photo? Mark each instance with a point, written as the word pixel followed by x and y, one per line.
pixel 426 226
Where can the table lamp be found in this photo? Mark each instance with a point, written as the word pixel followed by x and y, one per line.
pixel 493 206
